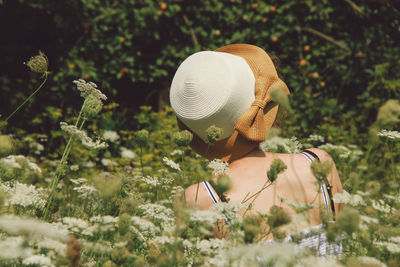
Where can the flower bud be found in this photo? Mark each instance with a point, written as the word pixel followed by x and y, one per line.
pixel 142 136
pixel 38 63
pixel 223 183
pixel 92 106
pixel 279 96
pixel 213 134
pixel 278 217
pixel 6 145
pixel 182 138
pixel 61 170
pixel 321 170
pixel 277 166
pixel 388 114
pixel 348 220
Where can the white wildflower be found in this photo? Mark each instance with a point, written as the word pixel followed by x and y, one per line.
pixel 74 167
pixel 15 161
pixel 207 217
pixel 176 152
pixel 172 164
pixel 55 245
pixel 108 162
pixel 89 231
pixel 381 206
pixel 393 135
pixel 209 247
pixel 219 167
pixel 391 247
pixel 74 224
pixel 34 228
pixel 395 239
pixel 153 181
pixel 84 191
pixel 13 247
pixel 23 195
pixel 127 153
pixel 82 136
pixel 315 138
pixel 78 181
pixel 89 88
pixel 370 261
pixel 228 210
pixel 346 198
pixel 98 247
pixel 281 145
pixel 40 260
pixel 368 219
pixel 145 226
pixel 10 162
pixel 104 219
pixel 351 152
pixel 111 136
pixel 157 212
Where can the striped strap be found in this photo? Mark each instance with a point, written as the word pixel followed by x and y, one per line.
pixel 323 187
pixel 208 187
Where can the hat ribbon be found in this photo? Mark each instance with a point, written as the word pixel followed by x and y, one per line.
pixel 252 124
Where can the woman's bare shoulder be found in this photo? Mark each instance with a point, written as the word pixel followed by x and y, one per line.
pixel 196 195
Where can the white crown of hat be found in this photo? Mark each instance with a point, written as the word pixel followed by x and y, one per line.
pixel 212 88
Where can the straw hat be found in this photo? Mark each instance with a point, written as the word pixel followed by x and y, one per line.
pixel 228 88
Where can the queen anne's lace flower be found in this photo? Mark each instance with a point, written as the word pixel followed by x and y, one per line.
pixel 23 195
pixel 172 164
pixel 111 136
pixel 40 260
pixel 82 136
pixel 218 167
pixel 393 135
pixel 127 153
pixel 316 138
pixel 89 88
pixel 281 145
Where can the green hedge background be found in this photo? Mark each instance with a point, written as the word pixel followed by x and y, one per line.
pixel 339 58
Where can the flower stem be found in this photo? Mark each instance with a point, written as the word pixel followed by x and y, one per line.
pixel 29 97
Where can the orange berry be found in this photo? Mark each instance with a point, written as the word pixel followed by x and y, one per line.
pixel 86 77
pixel 272 9
pixel 274 39
pixel 360 54
pixel 264 20
pixel 122 70
pixel 322 83
pixel 303 62
pixel 217 32
pixel 314 75
pixel 306 48
pixel 71 66
pixel 254 5
pixel 122 39
pixel 163 6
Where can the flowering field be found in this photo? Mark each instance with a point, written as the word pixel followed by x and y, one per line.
pixel 113 197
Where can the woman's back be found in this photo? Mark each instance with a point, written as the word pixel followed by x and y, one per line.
pixel 248 175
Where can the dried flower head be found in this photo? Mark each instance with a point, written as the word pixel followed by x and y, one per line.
pixel 38 63
pixel 182 138
pixel 278 217
pixel 213 134
pixel 279 96
pixel 251 227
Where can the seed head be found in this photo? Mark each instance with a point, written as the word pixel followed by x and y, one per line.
pixel 142 136
pixel 6 145
pixel 120 255
pixel 38 63
pixel 213 134
pixel 182 138
pixel 276 168
pixel 92 106
pixel 279 96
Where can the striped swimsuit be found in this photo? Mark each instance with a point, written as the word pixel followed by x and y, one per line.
pixel 313 237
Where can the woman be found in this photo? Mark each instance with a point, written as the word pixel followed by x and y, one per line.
pixel 230 88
